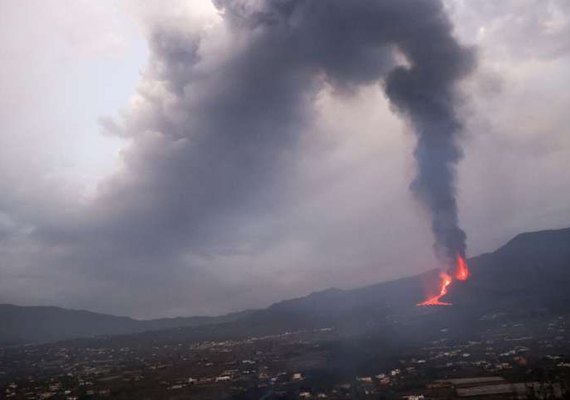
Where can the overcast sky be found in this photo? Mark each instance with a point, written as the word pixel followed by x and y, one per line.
pixel 138 178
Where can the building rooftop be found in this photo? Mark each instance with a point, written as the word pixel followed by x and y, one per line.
pixel 465 382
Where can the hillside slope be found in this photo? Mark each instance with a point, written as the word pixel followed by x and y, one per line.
pixel 530 273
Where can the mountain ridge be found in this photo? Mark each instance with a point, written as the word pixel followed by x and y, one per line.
pixel 33 324
pixel 530 270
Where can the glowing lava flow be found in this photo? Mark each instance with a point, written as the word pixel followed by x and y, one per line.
pixel 461 273
pixel 436 300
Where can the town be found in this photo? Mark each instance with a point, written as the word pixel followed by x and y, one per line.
pixel 512 359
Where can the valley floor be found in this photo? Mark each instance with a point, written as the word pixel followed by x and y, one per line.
pixel 520 358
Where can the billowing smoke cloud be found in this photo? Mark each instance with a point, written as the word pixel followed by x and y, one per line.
pixel 357 42
pixel 218 121
pixel 214 128
pixel 425 91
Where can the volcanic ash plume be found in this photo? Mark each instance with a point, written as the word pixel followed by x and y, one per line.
pixel 425 92
pixel 221 110
pixel 358 42
pixel 407 44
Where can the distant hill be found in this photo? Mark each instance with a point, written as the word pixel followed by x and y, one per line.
pixel 531 273
pixel 44 324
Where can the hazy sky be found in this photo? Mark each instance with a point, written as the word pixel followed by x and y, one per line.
pixel 138 178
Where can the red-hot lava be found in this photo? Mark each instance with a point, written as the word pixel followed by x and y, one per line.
pixel 436 300
pixel 461 269
pixel 461 273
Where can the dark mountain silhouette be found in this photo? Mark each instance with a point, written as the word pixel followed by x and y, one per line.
pixel 532 270
pixel 531 273
pixel 44 324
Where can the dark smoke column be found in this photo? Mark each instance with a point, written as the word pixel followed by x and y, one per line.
pixel 425 91
pixel 355 42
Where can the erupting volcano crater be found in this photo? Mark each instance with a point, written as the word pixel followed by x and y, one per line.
pixel 461 273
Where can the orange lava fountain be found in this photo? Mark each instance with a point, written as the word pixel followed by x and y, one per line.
pixel 461 269
pixel 461 273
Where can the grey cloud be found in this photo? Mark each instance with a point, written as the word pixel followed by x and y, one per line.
pixel 518 29
pixel 217 198
pixel 214 137
pixel 351 42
